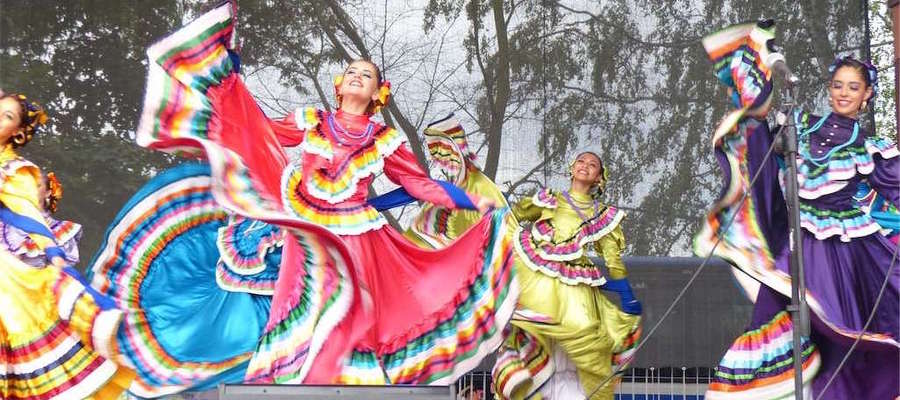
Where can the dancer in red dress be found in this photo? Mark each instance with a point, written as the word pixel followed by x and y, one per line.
pixel 355 302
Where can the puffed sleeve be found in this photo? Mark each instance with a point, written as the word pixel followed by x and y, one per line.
pixel 611 246
pixel 885 178
pixel 525 210
pixel 402 168
pixel 22 208
pixel 288 131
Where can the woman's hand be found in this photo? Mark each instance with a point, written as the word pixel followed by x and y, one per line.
pixel 485 204
pixel 58 262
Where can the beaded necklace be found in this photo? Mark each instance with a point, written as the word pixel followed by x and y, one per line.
pixel 338 130
pixel 804 148
pixel 577 209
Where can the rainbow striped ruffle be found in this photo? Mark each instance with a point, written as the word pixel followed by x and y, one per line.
pixel 744 244
pixel 740 54
pixel 759 365
pixel 341 219
pixel 521 362
pixel 250 256
pixel 472 328
pixel 334 182
pixel 448 149
pixel 190 72
pixel 135 242
pixel 819 180
pixel 450 154
pixel 296 332
pixel 57 339
pixel 846 224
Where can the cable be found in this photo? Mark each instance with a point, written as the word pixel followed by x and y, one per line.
pixel 619 370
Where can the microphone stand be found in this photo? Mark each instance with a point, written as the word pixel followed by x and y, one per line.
pixel 798 308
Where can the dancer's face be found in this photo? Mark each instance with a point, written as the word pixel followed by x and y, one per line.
pixel 10 118
pixel 360 81
pixel 586 168
pixel 847 91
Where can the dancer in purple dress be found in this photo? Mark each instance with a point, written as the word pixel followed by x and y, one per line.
pixel 847 258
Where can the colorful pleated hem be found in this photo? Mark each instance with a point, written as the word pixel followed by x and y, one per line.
pixel 58 336
pixel 438 351
pixel 760 364
pixel 173 204
pixel 568 273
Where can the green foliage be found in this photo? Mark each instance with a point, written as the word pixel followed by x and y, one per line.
pixel 84 61
pixel 629 80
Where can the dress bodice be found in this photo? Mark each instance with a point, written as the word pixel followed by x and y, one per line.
pixel 329 183
pixel 835 154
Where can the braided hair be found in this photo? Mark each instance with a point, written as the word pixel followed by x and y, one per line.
pixel 32 117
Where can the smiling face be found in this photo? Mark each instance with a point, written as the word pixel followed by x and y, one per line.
pixel 587 169
pixel 848 89
pixel 360 81
pixel 10 118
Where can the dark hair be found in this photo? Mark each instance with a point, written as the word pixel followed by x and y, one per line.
pixel 864 69
pixel 31 116
pixel 855 64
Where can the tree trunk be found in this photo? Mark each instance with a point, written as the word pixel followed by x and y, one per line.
pixel 501 93
pixel 814 13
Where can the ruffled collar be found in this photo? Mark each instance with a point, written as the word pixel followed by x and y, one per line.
pixel 840 122
pixel 833 149
pixel 8 153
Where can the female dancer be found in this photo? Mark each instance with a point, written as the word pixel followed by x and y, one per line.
pixel 566 335
pixel 354 302
pixel 56 334
pixel 564 315
pixel 846 257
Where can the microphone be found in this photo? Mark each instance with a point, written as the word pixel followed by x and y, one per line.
pixel 776 62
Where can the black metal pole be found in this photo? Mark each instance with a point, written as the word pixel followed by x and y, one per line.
pixel 798 309
pixel 894 5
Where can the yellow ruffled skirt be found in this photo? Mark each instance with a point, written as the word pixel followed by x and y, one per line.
pixel 56 338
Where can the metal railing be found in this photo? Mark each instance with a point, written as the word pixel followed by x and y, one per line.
pixel 652 383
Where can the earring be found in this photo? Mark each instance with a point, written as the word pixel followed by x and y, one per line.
pixel 865 103
pixel 19 138
pixel 830 101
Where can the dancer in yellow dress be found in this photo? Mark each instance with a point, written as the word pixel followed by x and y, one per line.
pixel 566 336
pixel 56 334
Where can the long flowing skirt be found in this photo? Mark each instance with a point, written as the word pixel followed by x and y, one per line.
pixel 843 280
pixel 566 333
pixel 57 336
pixel 191 319
pixel 196 102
